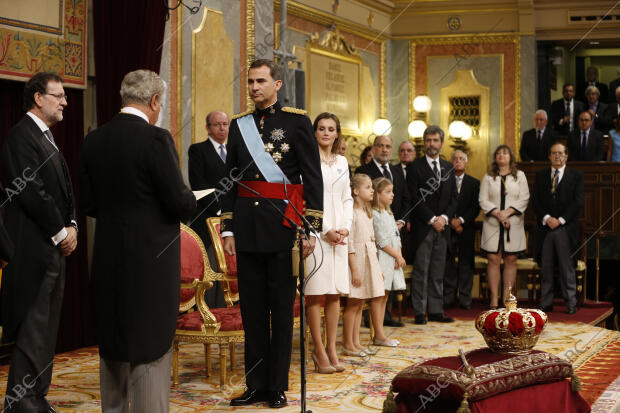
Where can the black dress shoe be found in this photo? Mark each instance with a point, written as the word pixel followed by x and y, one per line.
pixel 440 318
pixel 393 323
pixel 277 399
pixel 250 396
pixel 571 310
pixel 420 319
pixel 546 309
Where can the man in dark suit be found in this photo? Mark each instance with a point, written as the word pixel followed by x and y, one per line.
pixel 613 109
pixel 6 246
pixel 558 200
pixel 131 183
pixel 460 276
pixel 432 187
pixel 613 86
pixel 378 167
pixel 598 110
pixel 592 80
pixel 586 143
pixel 406 155
pixel 41 223
pixel 268 146
pixel 206 167
pixel 535 142
pixel 565 112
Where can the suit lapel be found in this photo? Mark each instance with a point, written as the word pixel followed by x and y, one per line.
pixel 52 156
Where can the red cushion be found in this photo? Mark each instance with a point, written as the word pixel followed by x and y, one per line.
pixel 229 317
pixel 231 260
pixel 192 264
pixel 495 373
pixel 555 397
pixel 186 294
pixel 296 307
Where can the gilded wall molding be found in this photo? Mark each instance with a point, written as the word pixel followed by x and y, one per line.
pixel 325 19
pixel 249 44
pixel 475 39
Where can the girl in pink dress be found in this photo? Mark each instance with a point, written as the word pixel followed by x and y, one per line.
pixel 366 279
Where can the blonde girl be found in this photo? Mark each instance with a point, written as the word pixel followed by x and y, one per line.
pixel 366 279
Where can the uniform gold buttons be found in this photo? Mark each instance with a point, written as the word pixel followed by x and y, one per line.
pixel 255 203
pixel 257 176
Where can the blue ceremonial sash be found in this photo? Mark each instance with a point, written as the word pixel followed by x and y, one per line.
pixel 263 160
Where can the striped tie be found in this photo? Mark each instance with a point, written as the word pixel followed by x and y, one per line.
pixel 554 183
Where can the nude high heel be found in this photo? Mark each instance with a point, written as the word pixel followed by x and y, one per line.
pixel 322 369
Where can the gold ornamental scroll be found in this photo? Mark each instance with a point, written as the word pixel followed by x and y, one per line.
pixel 212 71
pixel 465 99
pixel 338 81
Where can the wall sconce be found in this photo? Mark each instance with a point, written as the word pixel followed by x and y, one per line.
pixel 422 106
pixel 382 127
pixel 459 132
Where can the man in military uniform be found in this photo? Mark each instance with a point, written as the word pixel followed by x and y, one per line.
pixel 268 148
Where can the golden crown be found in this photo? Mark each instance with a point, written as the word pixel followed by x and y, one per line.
pixel 511 329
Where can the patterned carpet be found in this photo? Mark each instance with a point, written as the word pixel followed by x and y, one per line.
pixel 595 352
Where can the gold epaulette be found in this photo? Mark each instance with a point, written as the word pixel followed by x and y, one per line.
pixel 293 110
pixel 239 115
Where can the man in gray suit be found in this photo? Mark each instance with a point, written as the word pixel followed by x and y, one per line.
pixel 432 189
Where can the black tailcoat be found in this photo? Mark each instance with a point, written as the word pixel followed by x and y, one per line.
pixel 427 199
pixel 34 215
pixel 131 182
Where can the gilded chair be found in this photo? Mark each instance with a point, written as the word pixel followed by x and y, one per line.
pixel 227 266
pixel 197 323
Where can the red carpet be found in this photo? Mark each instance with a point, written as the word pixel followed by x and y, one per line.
pixel 591 313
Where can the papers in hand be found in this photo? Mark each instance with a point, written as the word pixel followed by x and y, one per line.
pixel 203 193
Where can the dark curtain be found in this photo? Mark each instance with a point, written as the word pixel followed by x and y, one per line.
pixel 76 322
pixel 129 35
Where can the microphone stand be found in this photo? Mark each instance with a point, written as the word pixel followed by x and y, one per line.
pixel 300 231
pixel 306 227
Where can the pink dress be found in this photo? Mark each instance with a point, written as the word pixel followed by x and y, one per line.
pixel 362 243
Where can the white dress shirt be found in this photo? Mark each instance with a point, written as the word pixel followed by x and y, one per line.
pixel 217 145
pixel 430 164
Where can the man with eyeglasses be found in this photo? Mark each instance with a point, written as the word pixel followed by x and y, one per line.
pixel 41 223
pixel 206 168
pixel 586 143
pixel 558 200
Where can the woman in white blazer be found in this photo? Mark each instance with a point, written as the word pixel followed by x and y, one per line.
pixel 329 262
pixel 504 196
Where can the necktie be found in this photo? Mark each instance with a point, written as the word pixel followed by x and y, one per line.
pixel 222 152
pixel 386 172
pixel 584 144
pixel 567 110
pixel 50 137
pixel 539 135
pixel 435 170
pixel 554 183
pixel 459 182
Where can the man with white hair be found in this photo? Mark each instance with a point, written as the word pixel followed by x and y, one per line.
pixel 536 141
pixel 597 109
pixel 459 275
pixel 131 182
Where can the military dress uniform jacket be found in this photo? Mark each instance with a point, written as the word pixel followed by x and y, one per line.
pixel 288 136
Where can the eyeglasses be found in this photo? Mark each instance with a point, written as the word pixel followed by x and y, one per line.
pixel 59 96
pixel 557 153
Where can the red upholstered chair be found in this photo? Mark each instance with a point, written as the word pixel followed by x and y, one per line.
pixel 228 268
pixel 197 323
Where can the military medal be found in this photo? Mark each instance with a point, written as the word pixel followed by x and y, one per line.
pixel 277 156
pixel 285 147
pixel 269 147
pixel 277 135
